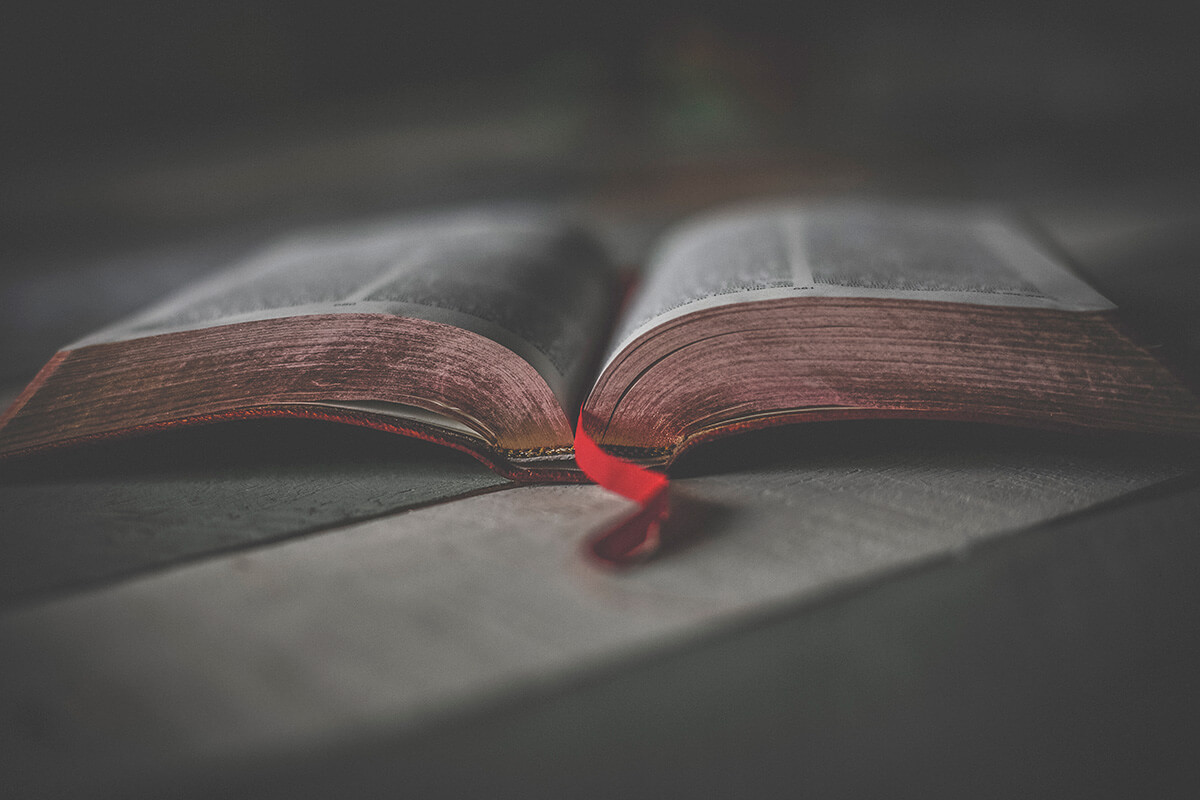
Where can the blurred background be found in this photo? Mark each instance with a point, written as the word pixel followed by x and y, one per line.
pixel 154 138
pixel 143 143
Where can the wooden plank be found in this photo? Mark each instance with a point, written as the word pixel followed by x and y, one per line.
pixel 392 624
pixel 106 512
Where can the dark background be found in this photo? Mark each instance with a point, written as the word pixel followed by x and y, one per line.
pixel 1106 87
pixel 80 76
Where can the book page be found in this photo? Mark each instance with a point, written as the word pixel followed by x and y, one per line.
pixel 524 279
pixel 851 250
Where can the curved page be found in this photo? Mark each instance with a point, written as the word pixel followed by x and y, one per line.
pixel 850 250
pixel 526 280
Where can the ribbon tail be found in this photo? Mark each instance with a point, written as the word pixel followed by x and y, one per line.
pixel 636 536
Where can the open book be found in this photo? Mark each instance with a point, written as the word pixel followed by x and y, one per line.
pixel 489 332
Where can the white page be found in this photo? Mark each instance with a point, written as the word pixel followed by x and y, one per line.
pixel 524 279
pixel 848 250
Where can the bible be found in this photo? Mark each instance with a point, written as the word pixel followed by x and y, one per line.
pixel 493 331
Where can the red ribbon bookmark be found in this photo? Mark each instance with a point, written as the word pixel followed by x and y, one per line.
pixel 638 535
